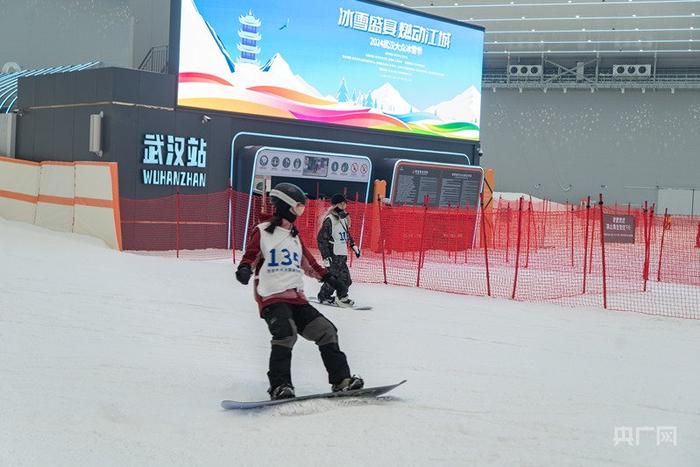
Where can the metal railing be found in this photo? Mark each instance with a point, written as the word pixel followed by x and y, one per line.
pixel 557 80
pixel 156 60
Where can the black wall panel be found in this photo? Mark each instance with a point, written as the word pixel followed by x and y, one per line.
pixel 62 133
pixel 26 92
pixel 64 89
pixel 43 130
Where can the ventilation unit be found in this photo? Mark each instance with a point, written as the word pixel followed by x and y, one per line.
pixel 525 70
pixel 632 70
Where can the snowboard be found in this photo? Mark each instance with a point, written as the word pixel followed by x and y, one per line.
pixel 364 392
pixel 354 307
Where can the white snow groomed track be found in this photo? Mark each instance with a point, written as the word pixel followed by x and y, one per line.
pixel 114 359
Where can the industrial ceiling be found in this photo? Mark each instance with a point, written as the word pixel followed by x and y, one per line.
pixel 615 31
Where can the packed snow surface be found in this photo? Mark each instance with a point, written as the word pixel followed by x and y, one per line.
pixel 114 359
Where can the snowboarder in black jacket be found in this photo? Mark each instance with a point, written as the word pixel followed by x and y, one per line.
pixel 333 239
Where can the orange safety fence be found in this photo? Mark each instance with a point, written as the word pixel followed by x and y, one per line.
pixel 567 254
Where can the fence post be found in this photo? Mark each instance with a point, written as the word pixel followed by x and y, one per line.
pixel 232 222
pixel 566 221
pixel 517 246
pixel 585 243
pixel 496 213
pixel 544 220
pixel 177 222
pixel 647 253
pixel 357 200
pixel 652 227
pixel 572 235
pixel 486 247
pixel 421 254
pixel 382 239
pixel 645 269
pixel 602 252
pixel 508 231
pixel 590 260
pixel 661 247
pixel 529 219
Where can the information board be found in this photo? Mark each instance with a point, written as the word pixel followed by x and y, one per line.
pixel 444 185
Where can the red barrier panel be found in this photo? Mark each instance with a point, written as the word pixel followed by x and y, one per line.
pixel 447 249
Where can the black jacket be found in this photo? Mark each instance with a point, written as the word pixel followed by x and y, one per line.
pixel 325 235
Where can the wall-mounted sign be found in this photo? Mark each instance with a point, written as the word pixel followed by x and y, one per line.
pixel 174 161
pixel 301 164
pixel 445 185
pixel 618 228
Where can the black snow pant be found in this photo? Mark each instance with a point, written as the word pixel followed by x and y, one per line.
pixel 339 268
pixel 285 321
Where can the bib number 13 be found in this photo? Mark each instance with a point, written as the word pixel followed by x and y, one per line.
pixel 286 256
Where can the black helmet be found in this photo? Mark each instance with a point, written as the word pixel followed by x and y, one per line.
pixel 338 198
pixel 289 193
pixel 286 196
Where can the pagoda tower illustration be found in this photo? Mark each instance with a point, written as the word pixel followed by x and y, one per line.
pixel 250 36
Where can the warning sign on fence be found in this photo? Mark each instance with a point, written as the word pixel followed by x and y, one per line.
pixel 619 228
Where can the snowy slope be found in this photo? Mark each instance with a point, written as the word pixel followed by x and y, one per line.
pixel 115 359
pixel 209 55
pixel 277 72
pixel 465 107
pixel 389 100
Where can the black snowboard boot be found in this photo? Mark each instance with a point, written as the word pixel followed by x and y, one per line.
pixel 345 302
pixel 348 384
pixel 283 391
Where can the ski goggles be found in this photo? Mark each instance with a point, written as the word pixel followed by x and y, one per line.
pixel 296 207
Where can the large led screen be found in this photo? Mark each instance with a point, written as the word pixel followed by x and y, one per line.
pixel 346 62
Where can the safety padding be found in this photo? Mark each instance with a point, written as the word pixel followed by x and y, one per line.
pixel 19 189
pixel 56 196
pixel 80 197
pixel 97 201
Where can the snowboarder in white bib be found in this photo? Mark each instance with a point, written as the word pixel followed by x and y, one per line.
pixel 278 257
pixel 333 240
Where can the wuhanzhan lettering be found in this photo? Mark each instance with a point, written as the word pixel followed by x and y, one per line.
pixel 181 156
